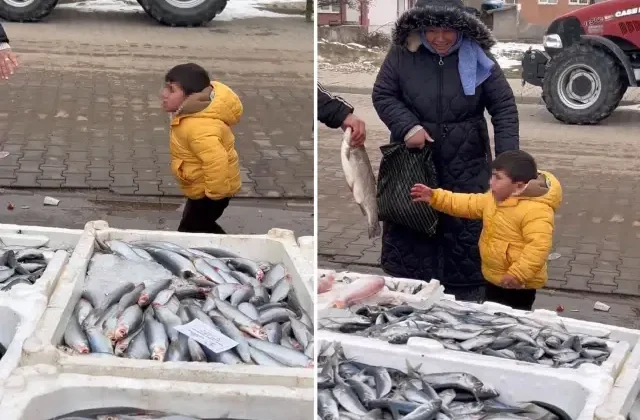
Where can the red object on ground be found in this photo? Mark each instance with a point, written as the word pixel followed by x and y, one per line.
pixel 10 206
pixel 560 308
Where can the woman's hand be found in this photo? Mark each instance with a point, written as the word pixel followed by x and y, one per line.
pixel 358 130
pixel 8 62
pixel 418 140
pixel 421 193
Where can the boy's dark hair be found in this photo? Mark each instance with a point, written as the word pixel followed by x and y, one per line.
pixel 518 165
pixel 191 77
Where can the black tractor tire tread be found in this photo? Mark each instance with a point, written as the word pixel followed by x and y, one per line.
pixel 613 85
pixel 165 16
pixel 33 13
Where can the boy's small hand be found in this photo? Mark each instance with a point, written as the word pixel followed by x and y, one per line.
pixel 420 192
pixel 510 282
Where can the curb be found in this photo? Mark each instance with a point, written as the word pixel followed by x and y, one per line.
pixel 520 99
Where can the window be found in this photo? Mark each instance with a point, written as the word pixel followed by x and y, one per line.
pixel 578 2
pixel 547 1
pixel 510 1
pixel 329 6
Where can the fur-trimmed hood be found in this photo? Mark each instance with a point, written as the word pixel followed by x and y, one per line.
pixel 440 13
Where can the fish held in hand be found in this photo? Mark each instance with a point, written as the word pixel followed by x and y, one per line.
pixel 361 181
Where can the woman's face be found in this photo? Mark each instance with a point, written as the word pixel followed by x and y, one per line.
pixel 441 39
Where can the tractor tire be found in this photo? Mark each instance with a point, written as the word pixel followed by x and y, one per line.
pixel 144 8
pixel 26 10
pixel 168 13
pixel 583 85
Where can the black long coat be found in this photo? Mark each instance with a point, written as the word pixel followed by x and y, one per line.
pixel 415 87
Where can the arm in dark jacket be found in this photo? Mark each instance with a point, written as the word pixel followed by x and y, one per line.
pixel 3 35
pixel 332 110
pixel 501 104
pixel 387 100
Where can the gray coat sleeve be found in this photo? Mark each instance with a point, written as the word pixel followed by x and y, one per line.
pixel 501 104
pixel 3 35
pixel 387 98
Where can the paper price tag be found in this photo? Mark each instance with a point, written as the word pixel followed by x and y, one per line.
pixel 207 336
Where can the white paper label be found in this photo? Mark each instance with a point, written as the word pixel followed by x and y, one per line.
pixel 207 336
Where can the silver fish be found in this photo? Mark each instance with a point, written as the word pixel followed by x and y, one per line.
pixel 150 292
pixel 229 329
pixel 284 355
pixel 361 181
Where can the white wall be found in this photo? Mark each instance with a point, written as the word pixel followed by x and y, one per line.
pixel 383 14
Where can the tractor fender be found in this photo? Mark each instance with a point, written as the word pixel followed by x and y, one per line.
pixel 616 51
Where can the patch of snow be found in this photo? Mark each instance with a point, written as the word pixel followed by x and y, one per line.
pixel 127 6
pixel 244 9
pixel 362 66
pixel 236 9
pixel 509 54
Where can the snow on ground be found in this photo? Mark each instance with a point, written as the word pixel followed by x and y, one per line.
pixel 509 54
pixel 236 9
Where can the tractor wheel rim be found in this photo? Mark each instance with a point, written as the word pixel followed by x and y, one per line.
pixel 19 3
pixel 185 4
pixel 569 78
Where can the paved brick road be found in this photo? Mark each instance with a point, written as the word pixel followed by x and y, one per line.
pixel 598 226
pixel 83 112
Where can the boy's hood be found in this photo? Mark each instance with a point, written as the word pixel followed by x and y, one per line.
pixel 217 101
pixel 544 189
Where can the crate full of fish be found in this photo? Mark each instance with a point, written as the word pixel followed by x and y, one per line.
pixel 19 321
pixel 33 257
pixel 359 378
pixel 41 392
pixel 451 326
pixel 219 308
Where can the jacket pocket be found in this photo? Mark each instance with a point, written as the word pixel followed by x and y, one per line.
pixel 177 168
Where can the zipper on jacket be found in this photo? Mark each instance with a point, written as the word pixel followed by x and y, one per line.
pixel 440 88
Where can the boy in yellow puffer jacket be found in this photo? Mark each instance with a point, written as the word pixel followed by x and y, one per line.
pixel 517 225
pixel 203 155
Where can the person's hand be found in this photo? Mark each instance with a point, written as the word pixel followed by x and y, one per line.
pixel 510 282
pixel 358 132
pixel 8 62
pixel 421 193
pixel 418 140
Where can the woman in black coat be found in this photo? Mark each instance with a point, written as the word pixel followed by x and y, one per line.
pixel 433 88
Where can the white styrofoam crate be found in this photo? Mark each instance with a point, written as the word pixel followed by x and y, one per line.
pixel 612 366
pixel 572 391
pixel 55 238
pixel 19 319
pixel 41 392
pixel 276 246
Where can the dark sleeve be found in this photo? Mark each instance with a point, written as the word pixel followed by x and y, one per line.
pixel 501 103
pixel 332 110
pixel 387 98
pixel 3 35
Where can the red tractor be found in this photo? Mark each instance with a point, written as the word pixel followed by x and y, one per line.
pixel 591 56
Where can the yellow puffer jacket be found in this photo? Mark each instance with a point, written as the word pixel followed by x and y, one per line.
pixel 517 234
pixel 203 155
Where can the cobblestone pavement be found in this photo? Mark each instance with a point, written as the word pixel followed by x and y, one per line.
pixel 363 82
pixel 598 225
pixel 82 111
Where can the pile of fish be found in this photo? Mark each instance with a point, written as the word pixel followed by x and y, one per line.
pixel 123 414
pixel 461 328
pixel 252 303
pixel 23 266
pixel 351 390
